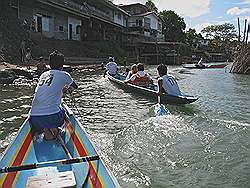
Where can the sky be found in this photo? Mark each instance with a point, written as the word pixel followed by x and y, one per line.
pixel 201 13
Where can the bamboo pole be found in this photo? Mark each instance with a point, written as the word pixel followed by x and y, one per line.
pixel 245 30
pixel 239 29
pixel 248 31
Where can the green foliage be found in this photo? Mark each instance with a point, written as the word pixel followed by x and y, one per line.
pixel 192 38
pixel 150 4
pixel 221 36
pixel 173 26
pixel 225 32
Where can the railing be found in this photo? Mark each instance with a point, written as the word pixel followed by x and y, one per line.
pixel 84 8
pixel 134 24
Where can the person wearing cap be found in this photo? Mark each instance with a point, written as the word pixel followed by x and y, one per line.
pixel 47 113
pixel 166 82
pixel 111 67
pixel 140 78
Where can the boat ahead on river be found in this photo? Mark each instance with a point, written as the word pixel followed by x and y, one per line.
pixel 70 162
pixel 151 92
pixel 205 66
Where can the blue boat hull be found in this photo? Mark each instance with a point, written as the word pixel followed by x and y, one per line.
pixel 27 150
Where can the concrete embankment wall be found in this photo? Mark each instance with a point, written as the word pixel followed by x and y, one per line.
pixel 77 51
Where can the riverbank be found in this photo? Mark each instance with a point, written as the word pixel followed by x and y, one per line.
pixel 10 73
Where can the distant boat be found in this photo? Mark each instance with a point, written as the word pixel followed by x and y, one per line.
pixel 151 92
pixel 30 162
pixel 205 66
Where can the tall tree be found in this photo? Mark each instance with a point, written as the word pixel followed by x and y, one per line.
pixel 221 36
pixel 192 38
pixel 173 26
pixel 226 32
pixel 150 4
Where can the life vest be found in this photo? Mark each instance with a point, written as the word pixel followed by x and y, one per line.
pixel 142 81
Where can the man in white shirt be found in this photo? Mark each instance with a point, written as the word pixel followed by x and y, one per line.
pixel 167 82
pixel 112 67
pixel 46 112
pixel 200 63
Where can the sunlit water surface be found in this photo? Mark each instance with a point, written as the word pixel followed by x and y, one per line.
pixel 204 144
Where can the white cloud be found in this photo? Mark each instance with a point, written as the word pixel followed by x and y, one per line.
pixel 247 2
pixel 238 11
pixel 192 9
pixel 201 26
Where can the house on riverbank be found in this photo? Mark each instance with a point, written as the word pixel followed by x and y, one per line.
pixel 72 19
pixel 132 28
pixel 142 22
pixel 144 38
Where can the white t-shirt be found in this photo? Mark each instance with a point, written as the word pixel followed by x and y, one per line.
pixel 170 85
pixel 48 93
pixel 129 75
pixel 200 63
pixel 111 68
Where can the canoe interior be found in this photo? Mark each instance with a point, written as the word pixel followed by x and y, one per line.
pixel 27 150
pixel 151 92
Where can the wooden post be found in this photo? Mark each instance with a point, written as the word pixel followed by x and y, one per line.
pixel 157 58
pixel 245 30
pixel 239 29
pixel 248 31
pixel 18 9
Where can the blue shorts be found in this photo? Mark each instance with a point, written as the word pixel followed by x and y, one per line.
pixel 47 121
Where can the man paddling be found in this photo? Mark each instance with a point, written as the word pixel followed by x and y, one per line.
pixel 166 82
pixel 200 63
pixel 111 67
pixel 47 113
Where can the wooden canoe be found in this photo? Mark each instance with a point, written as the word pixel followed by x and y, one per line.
pixel 151 92
pixel 211 66
pixel 26 150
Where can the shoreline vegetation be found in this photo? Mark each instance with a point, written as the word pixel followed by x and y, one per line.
pixel 187 46
pixel 241 63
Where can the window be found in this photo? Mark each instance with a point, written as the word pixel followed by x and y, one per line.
pixel 60 28
pixel 78 29
pixel 45 23
pixel 119 16
pixel 140 22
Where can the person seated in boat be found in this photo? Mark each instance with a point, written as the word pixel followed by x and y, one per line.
pixel 166 82
pixel 47 113
pixel 200 63
pixel 111 67
pixel 140 78
pixel 126 71
pixel 132 71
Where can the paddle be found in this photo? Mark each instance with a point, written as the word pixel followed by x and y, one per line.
pixel 49 163
pixel 63 144
pixel 162 109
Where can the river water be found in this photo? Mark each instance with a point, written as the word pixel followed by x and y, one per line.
pixel 204 144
